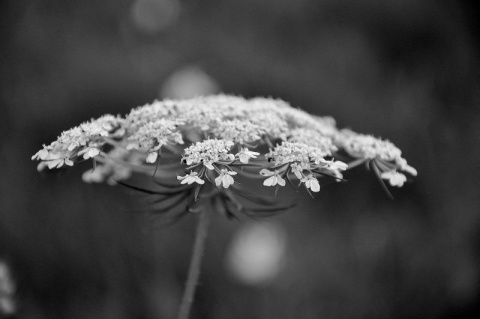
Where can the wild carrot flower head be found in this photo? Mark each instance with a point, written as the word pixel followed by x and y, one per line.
pixel 205 147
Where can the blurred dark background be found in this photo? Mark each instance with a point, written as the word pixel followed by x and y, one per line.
pixel 405 70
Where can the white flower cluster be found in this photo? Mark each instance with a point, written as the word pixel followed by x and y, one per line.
pixel 148 113
pixel 214 135
pixel 85 140
pixel 300 157
pixel 272 123
pixel 367 146
pixel 313 138
pixel 385 156
pixel 325 126
pixel 209 152
pixel 302 153
pixel 153 135
pixel 238 131
pixel 112 168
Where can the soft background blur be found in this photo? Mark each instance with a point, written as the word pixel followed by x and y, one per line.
pixel 405 70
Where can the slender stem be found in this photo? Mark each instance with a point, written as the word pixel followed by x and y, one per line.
pixel 356 163
pixel 194 270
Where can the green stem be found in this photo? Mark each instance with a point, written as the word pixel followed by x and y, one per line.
pixel 194 269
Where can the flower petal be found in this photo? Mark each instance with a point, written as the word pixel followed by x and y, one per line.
pixel 269 181
pixel 218 180
pixel 198 180
pixel 315 186
pixel 280 181
pixel 152 157
pixel 266 172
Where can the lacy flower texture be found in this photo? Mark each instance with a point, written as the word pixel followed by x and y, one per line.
pixel 199 147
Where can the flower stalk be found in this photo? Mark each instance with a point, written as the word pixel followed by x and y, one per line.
pixel 195 263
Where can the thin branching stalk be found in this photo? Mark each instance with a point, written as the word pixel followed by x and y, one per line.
pixel 194 269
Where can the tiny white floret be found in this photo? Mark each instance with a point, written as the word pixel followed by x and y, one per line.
pixel 152 157
pixel 42 154
pixel 333 165
pixel 191 178
pixel 89 152
pixel 297 170
pixel 244 155
pixel 311 182
pixel 274 178
pixel 395 178
pixel 225 178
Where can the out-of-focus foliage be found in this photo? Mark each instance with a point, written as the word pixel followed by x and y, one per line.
pixel 406 70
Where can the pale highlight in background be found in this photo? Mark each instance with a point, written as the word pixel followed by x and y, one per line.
pixel 257 253
pixel 153 16
pixel 188 82
pixel 7 290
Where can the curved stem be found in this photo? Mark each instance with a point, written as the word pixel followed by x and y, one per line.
pixel 356 163
pixel 194 269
